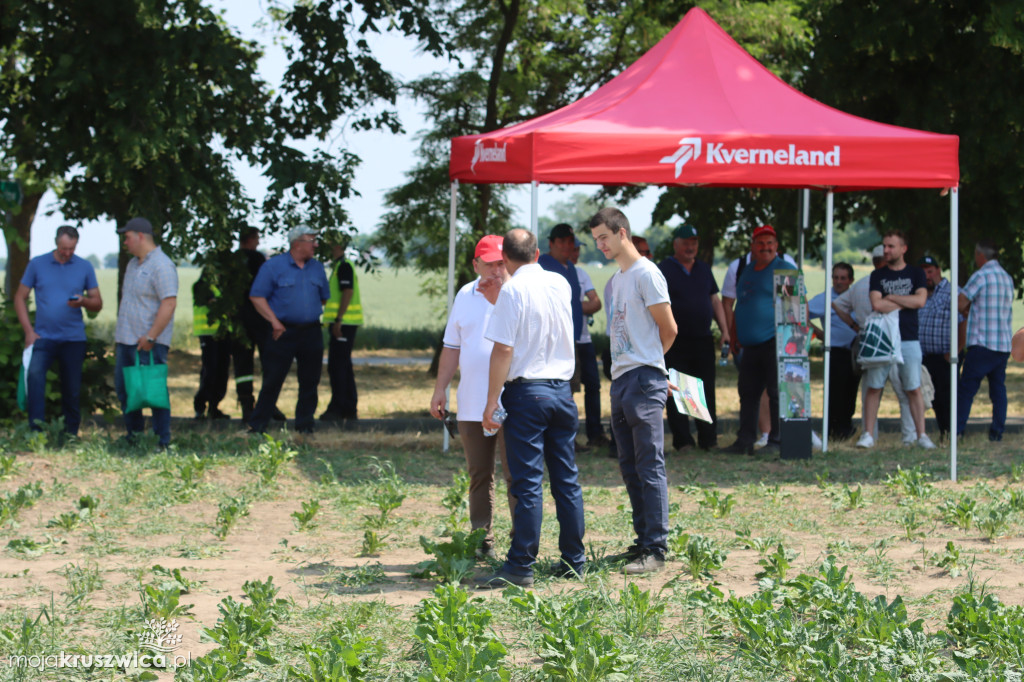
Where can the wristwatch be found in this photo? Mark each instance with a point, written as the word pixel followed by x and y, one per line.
pixel 150 339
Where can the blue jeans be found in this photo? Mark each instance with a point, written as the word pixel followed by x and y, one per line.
pixel 541 429
pixel 124 356
pixel 586 358
pixel 979 363
pixel 70 355
pixel 638 400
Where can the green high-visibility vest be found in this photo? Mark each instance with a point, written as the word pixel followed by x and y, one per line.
pixel 201 325
pixel 354 313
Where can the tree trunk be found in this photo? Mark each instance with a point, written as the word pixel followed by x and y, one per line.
pixel 18 235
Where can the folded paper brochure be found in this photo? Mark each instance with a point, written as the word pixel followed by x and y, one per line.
pixel 689 398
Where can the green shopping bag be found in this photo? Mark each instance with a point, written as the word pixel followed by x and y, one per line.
pixel 146 385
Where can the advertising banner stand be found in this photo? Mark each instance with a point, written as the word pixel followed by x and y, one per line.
pixel 792 347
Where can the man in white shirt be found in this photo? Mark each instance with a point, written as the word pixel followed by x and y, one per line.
pixel 641 330
pixel 531 363
pixel 466 349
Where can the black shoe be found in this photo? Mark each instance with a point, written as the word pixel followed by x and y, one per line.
pixel 738 448
pixel 486 554
pixel 217 414
pixel 278 416
pixel 650 562
pixel 503 579
pixel 199 417
pixel 632 553
pixel 599 442
pixel 567 572
pixel 582 449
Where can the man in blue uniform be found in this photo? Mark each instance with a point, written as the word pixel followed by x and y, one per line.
pixel 290 291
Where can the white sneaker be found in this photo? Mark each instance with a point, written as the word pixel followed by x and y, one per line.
pixel 762 441
pixel 815 441
pixel 909 441
pixel 925 442
pixel 865 441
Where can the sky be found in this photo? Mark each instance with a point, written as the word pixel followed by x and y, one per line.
pixel 385 156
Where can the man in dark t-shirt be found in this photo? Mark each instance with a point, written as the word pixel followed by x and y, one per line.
pixel 693 293
pixel 897 287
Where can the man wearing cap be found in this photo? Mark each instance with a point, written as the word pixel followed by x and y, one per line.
pixel 988 297
pixel 343 315
pixel 64 284
pixel 693 293
pixel 933 330
pixel 640 332
pixel 897 287
pixel 755 332
pixel 145 319
pixel 843 382
pixel 290 291
pixel 530 366
pixel 466 349
pixel 732 274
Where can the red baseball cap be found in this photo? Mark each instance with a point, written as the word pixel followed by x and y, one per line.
pixel 488 249
pixel 764 229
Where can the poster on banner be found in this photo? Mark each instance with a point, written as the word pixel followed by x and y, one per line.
pixel 790 298
pixel 690 399
pixel 795 389
pixel 793 340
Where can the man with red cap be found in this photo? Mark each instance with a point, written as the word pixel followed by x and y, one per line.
pixel 755 332
pixel 466 349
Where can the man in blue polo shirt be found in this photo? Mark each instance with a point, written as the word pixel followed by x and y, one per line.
pixel 59 280
pixel 755 332
pixel 290 291
pixel 693 293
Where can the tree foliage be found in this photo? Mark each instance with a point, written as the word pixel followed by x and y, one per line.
pixel 144 107
pixel 943 66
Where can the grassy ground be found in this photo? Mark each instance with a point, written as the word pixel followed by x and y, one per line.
pixel 105 538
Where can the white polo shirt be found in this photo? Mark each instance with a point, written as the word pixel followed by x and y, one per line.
pixel 534 317
pixel 465 333
pixel 586 285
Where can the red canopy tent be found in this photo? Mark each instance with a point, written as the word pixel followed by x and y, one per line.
pixel 697 109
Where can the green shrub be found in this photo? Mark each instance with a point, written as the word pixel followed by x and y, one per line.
pixel 97 393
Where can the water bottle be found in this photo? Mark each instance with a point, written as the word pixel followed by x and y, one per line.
pixel 499 419
pixel 725 355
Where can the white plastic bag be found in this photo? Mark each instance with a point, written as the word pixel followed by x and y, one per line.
pixel 880 340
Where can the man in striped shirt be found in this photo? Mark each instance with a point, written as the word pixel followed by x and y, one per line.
pixel 988 296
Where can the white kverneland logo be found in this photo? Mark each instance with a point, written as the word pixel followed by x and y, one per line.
pixel 482 153
pixel 160 635
pixel 717 153
pixel 690 149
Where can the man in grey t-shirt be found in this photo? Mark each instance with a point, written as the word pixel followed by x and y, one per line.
pixel 145 318
pixel 641 329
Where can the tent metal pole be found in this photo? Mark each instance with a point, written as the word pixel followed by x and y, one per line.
pixel 804 224
pixel 829 206
pixel 451 284
pixel 533 208
pixel 954 281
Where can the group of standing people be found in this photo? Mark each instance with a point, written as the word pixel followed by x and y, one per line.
pixel 516 334
pixel 271 305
